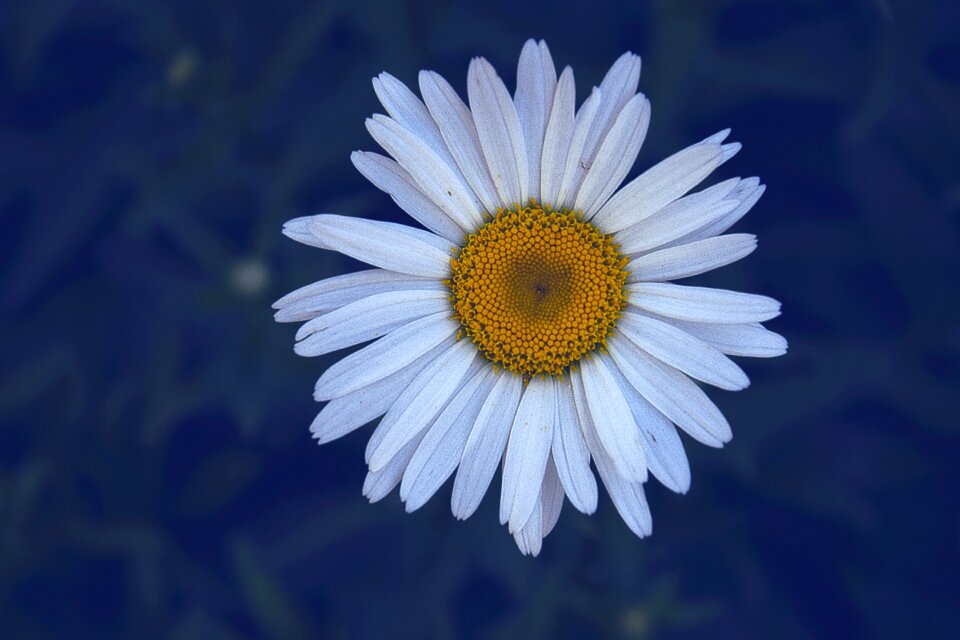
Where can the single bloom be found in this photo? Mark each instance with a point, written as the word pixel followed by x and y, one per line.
pixel 533 323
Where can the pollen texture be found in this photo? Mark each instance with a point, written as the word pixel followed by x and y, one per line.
pixel 537 289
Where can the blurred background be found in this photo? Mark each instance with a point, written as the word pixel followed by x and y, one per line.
pixel 157 478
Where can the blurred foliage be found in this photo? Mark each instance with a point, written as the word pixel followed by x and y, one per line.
pixel 156 475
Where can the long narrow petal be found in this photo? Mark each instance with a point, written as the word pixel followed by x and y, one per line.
pixel 575 167
pixel 544 516
pixel 612 418
pixel 527 451
pixel 440 182
pixel 618 87
pixel 300 229
pixel 385 356
pixel 387 245
pixel 680 350
pixel 500 131
pixel 484 447
pixel 378 484
pixel 366 319
pixel 551 498
pixel 332 293
pixel 702 304
pixel 408 396
pixel 536 83
pixel 348 412
pixel 750 340
pixel 694 258
pixel 615 157
pixel 674 221
pixel 672 393
pixel 439 453
pixel 529 537
pixel 660 185
pixel 556 141
pixel 406 108
pixel 627 496
pixel 571 455
pixel 747 192
pixel 388 176
pixel 428 393
pixel 701 200
pixel 665 456
pixel 460 133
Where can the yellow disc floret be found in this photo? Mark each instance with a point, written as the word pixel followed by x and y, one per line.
pixel 537 289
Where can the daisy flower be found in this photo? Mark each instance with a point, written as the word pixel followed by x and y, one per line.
pixel 532 323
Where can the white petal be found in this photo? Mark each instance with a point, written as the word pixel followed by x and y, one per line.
pixel 556 141
pixel 703 199
pixel 420 403
pixel 407 413
pixel 672 393
pixel 378 484
pixel 529 538
pixel 682 351
pixel 702 304
pixel 575 166
pixel 385 356
pixel 387 245
pixel 621 80
pixel 658 186
pixel 437 179
pixel 570 454
pixel 299 229
pixel 536 83
pixel 500 132
pixel 750 340
pixel 381 431
pixel 612 417
pixel 627 497
pixel 485 445
pixel 748 192
pixel 460 133
pixel 691 259
pixel 404 107
pixel 544 516
pixel 661 442
pixel 615 157
pixel 439 453
pixel 717 138
pixel 722 205
pixel 332 293
pixel 367 319
pixel 618 86
pixel 387 175
pixel 353 410
pixel 730 150
pixel 736 190
pixel 527 451
pixel 551 498
pixel 674 221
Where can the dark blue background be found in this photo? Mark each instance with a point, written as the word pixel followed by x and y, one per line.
pixel 156 474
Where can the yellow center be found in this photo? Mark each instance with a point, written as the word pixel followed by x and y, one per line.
pixel 536 290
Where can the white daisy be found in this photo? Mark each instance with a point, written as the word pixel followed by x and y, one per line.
pixel 532 324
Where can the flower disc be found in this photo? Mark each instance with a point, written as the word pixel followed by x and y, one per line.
pixel 537 289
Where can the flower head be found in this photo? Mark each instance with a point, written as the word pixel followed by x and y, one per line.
pixel 533 322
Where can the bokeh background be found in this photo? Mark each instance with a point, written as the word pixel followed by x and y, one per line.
pixel 157 479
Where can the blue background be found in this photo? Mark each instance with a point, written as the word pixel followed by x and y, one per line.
pixel 156 474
